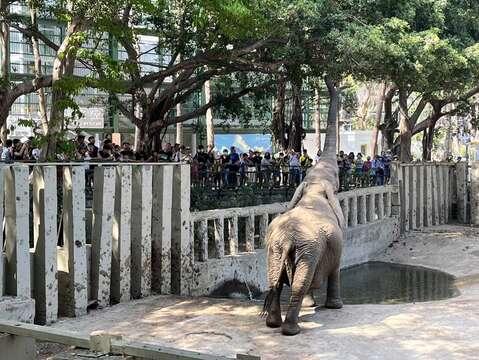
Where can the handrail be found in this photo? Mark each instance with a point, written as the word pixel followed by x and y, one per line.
pixel 117 345
pixel 281 207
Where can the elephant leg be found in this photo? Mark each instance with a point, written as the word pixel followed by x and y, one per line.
pixel 309 300
pixel 333 299
pixel 303 277
pixel 274 320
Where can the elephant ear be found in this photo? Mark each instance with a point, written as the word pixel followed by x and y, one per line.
pixel 334 203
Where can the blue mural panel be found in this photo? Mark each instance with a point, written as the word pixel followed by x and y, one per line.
pixel 244 142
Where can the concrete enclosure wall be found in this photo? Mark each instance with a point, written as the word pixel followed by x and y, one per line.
pixel 141 236
pixel 229 243
pixel 138 211
pixel 429 192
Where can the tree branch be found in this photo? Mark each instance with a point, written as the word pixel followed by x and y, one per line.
pixel 202 109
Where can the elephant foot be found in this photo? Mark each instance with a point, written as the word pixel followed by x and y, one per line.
pixel 334 303
pixel 309 301
pixel 290 329
pixel 274 320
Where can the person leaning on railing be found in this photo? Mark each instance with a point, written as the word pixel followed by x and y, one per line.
pixel 283 163
pixel 294 169
pixel 266 168
pixel 306 162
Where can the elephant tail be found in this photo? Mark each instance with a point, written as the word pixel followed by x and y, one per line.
pixel 286 270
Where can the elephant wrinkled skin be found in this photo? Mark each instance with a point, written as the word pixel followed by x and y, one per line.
pixel 304 244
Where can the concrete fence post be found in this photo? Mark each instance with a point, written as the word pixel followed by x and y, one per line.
pixel 461 191
pixel 203 235
pixel 17 231
pixel 354 211
pixel 428 197
pixel 447 194
pixel 263 229
pixel 371 207
pixel 101 250
pixel 405 198
pixel 121 236
pixel 161 228
pixel 141 231
pixel 233 235
pixel 2 194
pixel 345 209
pixel 397 178
pixel 413 197
pixel 380 205
pixel 362 208
pixel 388 204
pixel 219 225
pixel 249 233
pixel 475 193
pixel 440 193
pixel 74 294
pixel 45 243
pixel 436 196
pixel 182 244
pixel 420 196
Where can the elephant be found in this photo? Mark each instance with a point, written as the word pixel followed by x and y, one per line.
pixel 304 244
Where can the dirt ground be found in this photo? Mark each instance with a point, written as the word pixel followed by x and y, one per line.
pixel 446 329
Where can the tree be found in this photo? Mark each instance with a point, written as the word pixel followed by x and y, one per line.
pixel 420 47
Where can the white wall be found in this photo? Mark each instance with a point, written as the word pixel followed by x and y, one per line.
pixel 350 141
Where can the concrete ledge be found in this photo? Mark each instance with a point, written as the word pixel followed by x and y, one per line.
pixel 247 268
pixel 361 244
pixel 17 347
pixel 17 309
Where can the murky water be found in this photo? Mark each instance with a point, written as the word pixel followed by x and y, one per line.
pixel 374 283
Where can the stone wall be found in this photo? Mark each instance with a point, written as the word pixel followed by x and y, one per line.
pixel 372 217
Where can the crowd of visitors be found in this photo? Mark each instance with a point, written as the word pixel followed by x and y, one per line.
pixel 231 169
pixel 362 171
pixel 87 150
pixel 228 168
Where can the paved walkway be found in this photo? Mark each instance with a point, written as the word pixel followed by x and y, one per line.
pixel 446 329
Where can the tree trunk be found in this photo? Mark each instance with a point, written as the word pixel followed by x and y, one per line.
pixel 62 66
pixel 427 142
pixel 179 126
pixel 277 125
pixel 138 139
pixel 363 109
pixel 389 124
pixel 38 70
pixel 210 127
pixel 330 142
pixel 296 131
pixel 428 134
pixel 405 128
pixel 4 71
pixel 338 125
pixel 379 112
pixel 4 111
pixel 317 118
